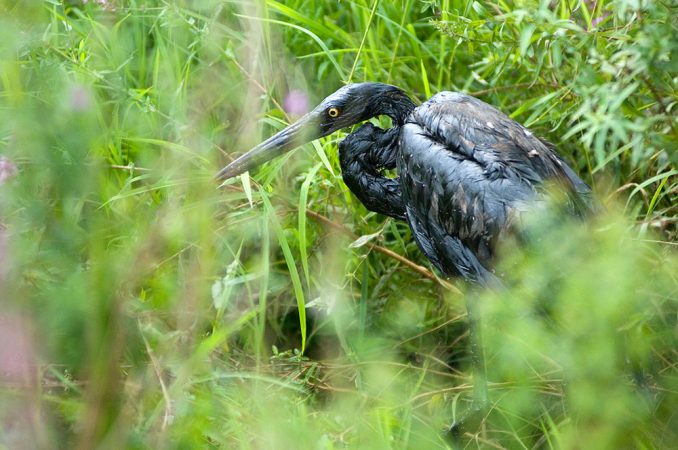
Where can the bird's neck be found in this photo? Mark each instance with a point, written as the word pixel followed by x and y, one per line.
pixel 395 104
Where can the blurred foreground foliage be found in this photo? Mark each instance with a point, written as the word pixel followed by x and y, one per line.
pixel 143 308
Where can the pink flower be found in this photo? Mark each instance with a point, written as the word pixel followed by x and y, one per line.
pixel 105 4
pixel 7 169
pixel 296 103
pixel 79 99
pixel 17 353
pixel 4 255
pixel 595 22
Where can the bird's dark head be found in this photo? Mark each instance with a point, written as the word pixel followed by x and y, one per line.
pixel 351 104
pixel 355 103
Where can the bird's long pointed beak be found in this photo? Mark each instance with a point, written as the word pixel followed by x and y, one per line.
pixel 304 130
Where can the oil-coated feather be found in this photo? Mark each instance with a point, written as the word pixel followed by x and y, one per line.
pixel 467 171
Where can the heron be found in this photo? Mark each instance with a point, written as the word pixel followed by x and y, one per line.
pixel 465 174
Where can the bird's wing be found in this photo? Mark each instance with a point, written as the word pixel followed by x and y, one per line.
pixel 478 131
pixel 467 170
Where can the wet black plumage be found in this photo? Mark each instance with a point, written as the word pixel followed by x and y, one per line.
pixel 363 155
pixel 465 170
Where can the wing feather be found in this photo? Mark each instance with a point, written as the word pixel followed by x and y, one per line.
pixel 467 170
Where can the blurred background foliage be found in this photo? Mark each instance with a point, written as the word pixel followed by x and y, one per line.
pixel 144 308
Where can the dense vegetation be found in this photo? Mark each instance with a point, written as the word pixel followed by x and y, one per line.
pixel 144 308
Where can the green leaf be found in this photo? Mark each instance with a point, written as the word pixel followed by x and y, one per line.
pixel 247 187
pixel 303 199
pixel 526 38
pixel 312 35
pixel 362 240
pixel 291 265
pixel 424 79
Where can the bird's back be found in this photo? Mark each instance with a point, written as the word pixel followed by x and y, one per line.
pixel 467 171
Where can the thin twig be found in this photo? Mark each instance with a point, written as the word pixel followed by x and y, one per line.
pixel 130 167
pixel 263 90
pixel 627 186
pixel 168 416
pixel 411 264
pixel 434 329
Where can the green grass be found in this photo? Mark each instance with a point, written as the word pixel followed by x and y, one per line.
pixel 145 308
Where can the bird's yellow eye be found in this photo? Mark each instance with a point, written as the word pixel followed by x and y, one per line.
pixel 333 112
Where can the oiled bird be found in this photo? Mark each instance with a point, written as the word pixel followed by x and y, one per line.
pixel 465 170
